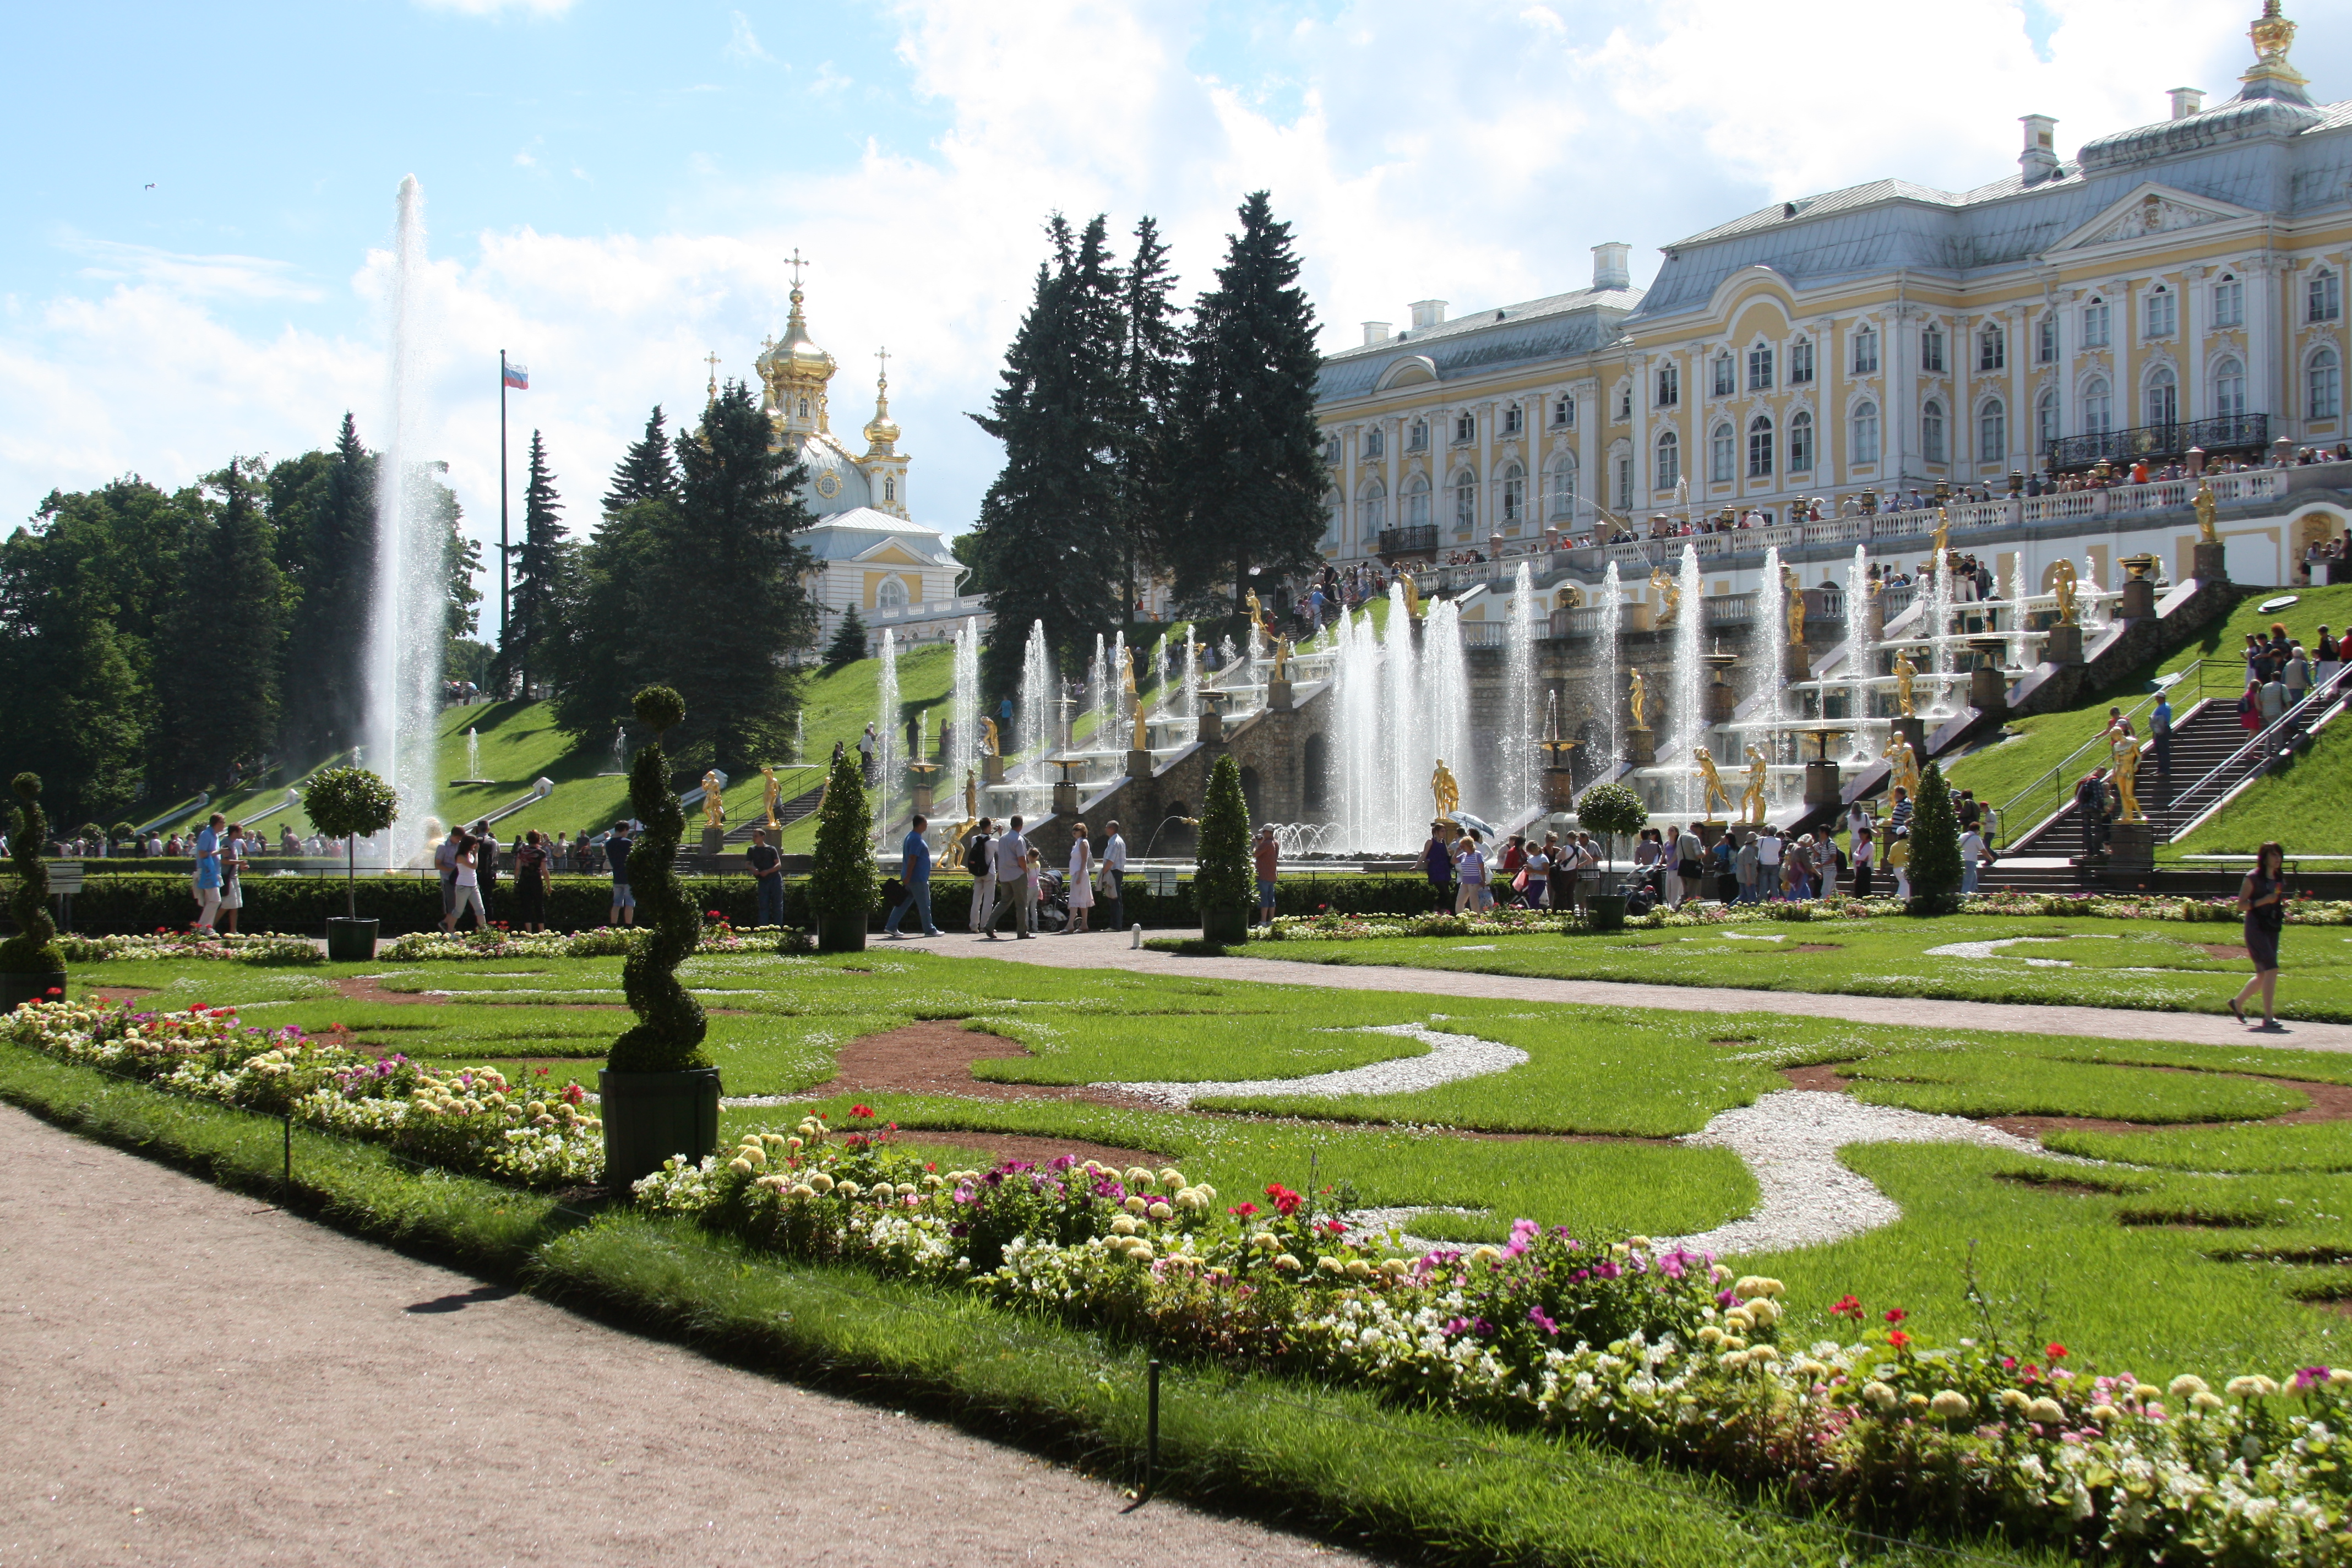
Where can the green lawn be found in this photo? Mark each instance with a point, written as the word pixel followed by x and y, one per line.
pixel 2152 964
pixel 2308 810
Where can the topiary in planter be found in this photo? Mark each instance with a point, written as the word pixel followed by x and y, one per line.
pixel 667 1037
pixel 31 963
pixel 350 804
pixel 1935 847
pixel 842 881
pixel 1221 876
pixel 1611 810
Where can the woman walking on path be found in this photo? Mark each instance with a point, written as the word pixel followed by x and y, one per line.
pixel 1082 882
pixel 2262 898
pixel 1862 847
pixel 468 888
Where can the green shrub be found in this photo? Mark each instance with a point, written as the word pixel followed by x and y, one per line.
pixel 350 804
pixel 1220 879
pixel 842 882
pixel 667 1036
pixel 1935 847
pixel 1611 810
pixel 33 949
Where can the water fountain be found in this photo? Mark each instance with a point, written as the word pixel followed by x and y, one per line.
pixel 407 627
pixel 963 751
pixel 1397 711
pixel 887 760
pixel 1685 698
pixel 1610 695
pixel 1518 748
pixel 1037 712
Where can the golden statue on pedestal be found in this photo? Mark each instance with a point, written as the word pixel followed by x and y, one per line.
pixel 1412 596
pixel 2062 581
pixel 771 791
pixel 2206 505
pixel 1572 597
pixel 970 798
pixel 990 746
pixel 1795 594
pixel 1446 792
pixel 1902 767
pixel 2126 755
pixel 1710 783
pixel 1752 799
pixel 1943 543
pixel 1282 659
pixel 1669 592
pixel 1636 697
pixel 714 804
pixel 1905 672
pixel 1256 613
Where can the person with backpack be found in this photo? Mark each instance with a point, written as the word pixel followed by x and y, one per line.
pixel 1011 855
pixel 980 859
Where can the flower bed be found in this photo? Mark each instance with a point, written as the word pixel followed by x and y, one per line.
pixel 258 947
pixel 467 1118
pixel 606 942
pixel 1656 1351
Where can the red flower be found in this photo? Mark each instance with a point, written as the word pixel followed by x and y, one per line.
pixel 1847 1307
pixel 2057 1351
pixel 1898 1339
pixel 711 914
pixel 56 991
pixel 1243 1209
pixel 860 1111
pixel 1286 1201
pixel 1896 1314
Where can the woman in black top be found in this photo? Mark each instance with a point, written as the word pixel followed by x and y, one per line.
pixel 530 882
pixel 2262 898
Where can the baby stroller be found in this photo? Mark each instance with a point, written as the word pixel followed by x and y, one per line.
pixel 1053 903
pixel 1644 892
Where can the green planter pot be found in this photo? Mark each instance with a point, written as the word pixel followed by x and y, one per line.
pixel 1605 911
pixel 841 936
pixel 1227 928
pixel 17 989
pixel 649 1116
pixel 351 940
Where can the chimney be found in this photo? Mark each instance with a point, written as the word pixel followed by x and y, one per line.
pixel 1609 266
pixel 2040 159
pixel 1375 332
pixel 1428 312
pixel 2186 101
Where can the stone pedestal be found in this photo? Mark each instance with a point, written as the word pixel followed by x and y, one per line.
pixel 1822 786
pixel 1139 764
pixel 1799 660
pixel 1559 789
pixel 991 770
pixel 2064 645
pixel 1213 728
pixel 919 785
pixel 1989 690
pixel 1277 696
pixel 2138 603
pixel 1065 798
pixel 714 845
pixel 2131 848
pixel 1722 702
pixel 1642 748
pixel 2209 562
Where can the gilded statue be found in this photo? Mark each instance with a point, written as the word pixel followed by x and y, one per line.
pixel 1669 592
pixel 1140 741
pixel 1905 672
pixel 990 746
pixel 1448 793
pixel 1903 767
pixel 2206 505
pixel 769 788
pixel 1943 534
pixel 1412 596
pixel 970 795
pixel 2127 775
pixel 2062 580
pixel 1710 783
pixel 1795 594
pixel 1572 597
pixel 714 804
pixel 1255 613
pixel 1637 696
pixel 1752 799
pixel 1282 659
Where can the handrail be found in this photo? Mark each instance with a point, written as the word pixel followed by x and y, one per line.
pixel 2099 741
pixel 2257 750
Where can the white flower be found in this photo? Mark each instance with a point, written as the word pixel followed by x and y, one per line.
pixel 2045 1410
pixel 1161 1211
pixel 1286 1263
pixel 2186 1384
pixel 2252 1385
pixel 1136 1206
pixel 1950 1404
pixel 1879 1395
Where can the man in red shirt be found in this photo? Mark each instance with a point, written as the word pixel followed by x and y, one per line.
pixel 1264 853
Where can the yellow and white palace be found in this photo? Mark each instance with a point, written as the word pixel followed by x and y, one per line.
pixel 2178 285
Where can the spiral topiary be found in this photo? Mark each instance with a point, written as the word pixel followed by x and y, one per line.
pixel 33 949
pixel 667 1036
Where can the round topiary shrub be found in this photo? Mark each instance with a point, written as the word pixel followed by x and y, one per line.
pixel 1611 810
pixel 350 804
pixel 658 709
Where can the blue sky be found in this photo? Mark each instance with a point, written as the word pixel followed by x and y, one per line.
pixel 611 189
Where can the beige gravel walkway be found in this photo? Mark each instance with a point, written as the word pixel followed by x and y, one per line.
pixel 190 1377
pixel 1109 950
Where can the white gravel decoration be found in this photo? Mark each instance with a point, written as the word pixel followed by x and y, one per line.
pixel 1790 1139
pixel 1993 949
pixel 1449 1059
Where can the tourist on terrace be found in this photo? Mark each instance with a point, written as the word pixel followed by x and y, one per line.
pixel 1081 882
pixel 1898 864
pixel 1974 857
pixel 915 874
pixel 2296 675
pixel 1437 864
pixel 1864 850
pixel 1469 876
pixel 468 886
pixel 1265 858
pixel 1898 815
pixel 616 855
pixel 1769 851
pixel 2262 898
pixel 232 862
pixel 530 862
pixel 2159 734
pixel 1690 864
pixel 1011 881
pixel 980 859
pixel 1114 877
pixel 2091 807
pixel 1744 869
pixel 1538 874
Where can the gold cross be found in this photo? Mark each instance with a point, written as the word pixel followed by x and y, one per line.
pixel 884 376
pixel 797 265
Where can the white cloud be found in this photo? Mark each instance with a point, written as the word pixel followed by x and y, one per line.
pixel 743 44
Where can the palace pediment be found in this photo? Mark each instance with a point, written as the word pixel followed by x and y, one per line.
pixel 2150 211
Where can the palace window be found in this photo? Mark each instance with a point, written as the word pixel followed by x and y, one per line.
pixel 1416 501
pixel 1372 511
pixel 1670 385
pixel 1760 367
pixel 2325 296
pixel 1332 450
pixel 1865 432
pixel 2045 339
pixel 1992 348
pixel 2229 388
pixel 890 596
pixel 1865 351
pixel 1515 496
pixel 1992 432
pixel 2327 384
pixel 2094 323
pixel 2098 406
pixel 1465 501
pixel 1670 461
pixel 1334 519
pixel 2163 313
pixel 1801 443
pixel 803 407
pixel 889 488
pixel 1801 362
pixel 1723 375
pixel 1625 404
pixel 1465 428
pixel 1760 447
pixel 1563 487
pixel 1563 413
pixel 1417 440
pixel 2045 421
pixel 1626 479
pixel 2228 302
pixel 1931 432
pixel 1375 442
pixel 2163 396
pixel 1722 455
pixel 1511 420
pixel 1931 349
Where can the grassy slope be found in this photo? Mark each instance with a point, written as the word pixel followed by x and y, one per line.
pixel 2309 810
pixel 2044 741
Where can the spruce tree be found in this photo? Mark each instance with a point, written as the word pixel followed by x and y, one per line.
pixel 848 644
pixel 646 471
pixel 326 516
pixel 1935 847
pixel 1048 532
pixel 842 881
pixel 1221 876
pixel 218 691
pixel 542 578
pixel 1150 362
pixel 1249 489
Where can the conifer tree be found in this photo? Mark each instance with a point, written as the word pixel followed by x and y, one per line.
pixel 1221 876
pixel 842 881
pixel 598 656
pixel 1150 362
pixel 543 572
pixel 848 644
pixel 218 690
pixel 646 471
pixel 1249 489
pixel 1935 847
pixel 331 552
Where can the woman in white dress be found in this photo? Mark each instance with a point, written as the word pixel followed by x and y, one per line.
pixel 1082 883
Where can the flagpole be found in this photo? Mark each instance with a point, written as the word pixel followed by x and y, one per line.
pixel 502 501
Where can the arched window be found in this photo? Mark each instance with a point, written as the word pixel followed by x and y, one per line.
pixel 1418 441
pixel 1992 348
pixel 1563 486
pixel 2094 323
pixel 1373 510
pixel 1416 501
pixel 2163 397
pixel 1722 454
pixel 1760 367
pixel 2229 389
pixel 803 407
pixel 2326 295
pixel 1670 461
pixel 1931 349
pixel 1466 500
pixel 1515 496
pixel 2045 339
pixel 1465 428
pixel 1931 433
pixel 890 487
pixel 2327 384
pixel 1514 420
pixel 1335 517
pixel 1760 447
pixel 890 594
pixel 1723 376
pixel 1992 432
pixel 2229 301
pixel 1376 442
pixel 1865 432
pixel 2045 421
pixel 1801 443
pixel 2098 406
pixel 1865 351
pixel 2160 315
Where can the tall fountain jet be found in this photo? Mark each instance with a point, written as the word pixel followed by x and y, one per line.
pixel 963 751
pixel 889 760
pixel 405 629
pixel 1520 743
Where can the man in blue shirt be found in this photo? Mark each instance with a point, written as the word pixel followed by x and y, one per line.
pixel 2159 729
pixel 915 870
pixel 208 871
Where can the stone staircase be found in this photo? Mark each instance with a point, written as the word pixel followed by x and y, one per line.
pixel 2202 740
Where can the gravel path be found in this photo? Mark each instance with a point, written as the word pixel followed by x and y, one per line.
pixel 1450 1058
pixel 1108 949
pixel 188 1376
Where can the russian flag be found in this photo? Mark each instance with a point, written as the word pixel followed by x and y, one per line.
pixel 516 376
